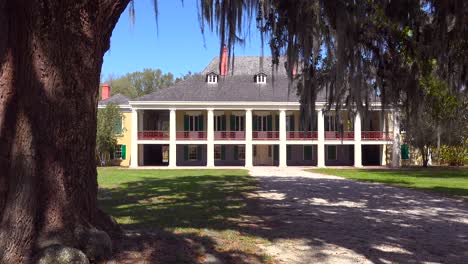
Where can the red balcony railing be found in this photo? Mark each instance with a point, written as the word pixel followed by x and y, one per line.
pixel 375 135
pixel 229 135
pixel 265 135
pixel 347 135
pixel 301 135
pixel 153 135
pixel 191 135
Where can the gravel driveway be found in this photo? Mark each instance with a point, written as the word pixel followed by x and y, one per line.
pixel 313 218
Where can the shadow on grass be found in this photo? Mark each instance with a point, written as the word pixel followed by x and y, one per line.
pixel 192 201
pixel 184 211
pixel 380 223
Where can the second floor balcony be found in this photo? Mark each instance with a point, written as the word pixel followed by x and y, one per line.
pixel 265 135
pixel 301 135
pixel 153 135
pixel 336 135
pixel 229 135
pixel 191 135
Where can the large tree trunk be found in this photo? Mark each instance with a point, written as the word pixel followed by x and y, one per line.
pixel 51 54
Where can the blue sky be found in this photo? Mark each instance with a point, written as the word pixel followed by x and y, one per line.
pixel 177 46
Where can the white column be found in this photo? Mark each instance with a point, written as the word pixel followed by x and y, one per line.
pixel 210 138
pixel 321 140
pixel 357 141
pixel 383 155
pixel 134 140
pixel 172 139
pixel 140 128
pixel 248 139
pixel 282 138
pixel 383 148
pixel 396 140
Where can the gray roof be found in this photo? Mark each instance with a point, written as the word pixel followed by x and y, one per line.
pixel 249 65
pixel 238 85
pixel 118 99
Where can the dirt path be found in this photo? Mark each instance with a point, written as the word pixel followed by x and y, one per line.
pixel 313 218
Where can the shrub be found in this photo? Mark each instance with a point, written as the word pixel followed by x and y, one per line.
pixel 454 155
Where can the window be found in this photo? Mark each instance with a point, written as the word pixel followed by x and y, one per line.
pixel 263 123
pixel 290 123
pixel 212 78
pixel 118 126
pixel 120 152
pixel 165 154
pixel 260 78
pixel 237 123
pixel 220 123
pixel 330 123
pixel 331 152
pixel 194 123
pixel 192 152
pixel 217 152
pixel 308 152
pixel 241 152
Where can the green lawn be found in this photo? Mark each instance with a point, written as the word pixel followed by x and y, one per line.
pixel 442 180
pixel 200 204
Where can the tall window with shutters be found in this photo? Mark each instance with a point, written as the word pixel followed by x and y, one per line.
pixel 263 123
pixel 237 123
pixel 192 152
pixel 290 126
pixel 220 123
pixel 120 152
pixel 118 126
pixel 193 123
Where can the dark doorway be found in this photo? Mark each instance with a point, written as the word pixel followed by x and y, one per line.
pixel 370 155
pixel 155 155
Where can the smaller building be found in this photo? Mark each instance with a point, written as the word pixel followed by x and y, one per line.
pixel 121 155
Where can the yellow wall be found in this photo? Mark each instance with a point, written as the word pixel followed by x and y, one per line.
pixel 125 139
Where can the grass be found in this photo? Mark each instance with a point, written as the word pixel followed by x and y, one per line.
pixel 448 181
pixel 204 205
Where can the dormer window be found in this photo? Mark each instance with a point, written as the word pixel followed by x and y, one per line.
pixel 212 78
pixel 260 78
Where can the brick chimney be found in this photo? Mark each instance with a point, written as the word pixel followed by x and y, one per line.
pixel 106 91
pixel 224 62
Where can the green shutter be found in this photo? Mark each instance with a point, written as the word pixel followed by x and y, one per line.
pixel 254 123
pixel 233 123
pixel 124 152
pixel 307 152
pixel 275 152
pixel 200 123
pixel 185 152
pixel 223 152
pixel 331 153
pixel 277 123
pixel 236 152
pixel 223 125
pixel 288 152
pixel 269 121
pixel 186 122
pixel 292 126
pixel 199 152
pixel 404 152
